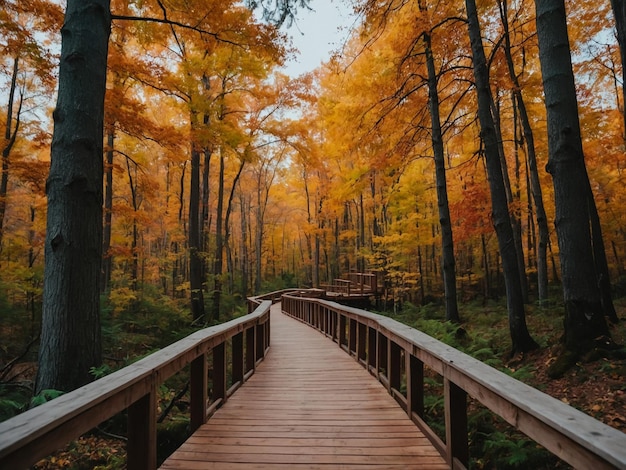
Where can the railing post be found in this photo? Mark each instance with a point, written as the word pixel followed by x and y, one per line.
pixel 141 446
pixel 352 336
pixel 372 351
pixel 237 351
pixel 456 424
pixel 362 342
pixel 260 341
pixel 415 386
pixel 250 349
pixel 395 366
pixel 219 373
pixel 383 357
pixel 198 391
pixel 342 330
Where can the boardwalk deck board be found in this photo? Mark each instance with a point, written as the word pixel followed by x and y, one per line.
pixel 308 406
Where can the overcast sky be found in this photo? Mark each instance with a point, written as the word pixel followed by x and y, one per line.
pixel 318 33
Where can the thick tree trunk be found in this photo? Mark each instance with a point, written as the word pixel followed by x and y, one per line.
pixel 584 316
pixel 70 333
pixel 521 339
pixel 447 241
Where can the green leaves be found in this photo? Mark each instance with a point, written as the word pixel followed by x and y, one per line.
pixel 45 396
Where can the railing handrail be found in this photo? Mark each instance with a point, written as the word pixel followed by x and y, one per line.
pixel 572 435
pixel 34 434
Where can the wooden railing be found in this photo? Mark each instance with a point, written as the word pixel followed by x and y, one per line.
pixel 38 432
pixel 397 354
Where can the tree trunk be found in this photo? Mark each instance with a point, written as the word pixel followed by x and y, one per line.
pixel 134 249
pixel 218 263
pixel 107 260
pixel 70 332
pixel 195 248
pixel 619 13
pixel 10 135
pixel 229 209
pixel 529 138
pixel 244 245
pixel 521 339
pixel 205 226
pixel 447 241
pixel 584 317
pixel 516 224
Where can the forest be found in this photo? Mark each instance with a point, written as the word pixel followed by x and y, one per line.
pixel 159 167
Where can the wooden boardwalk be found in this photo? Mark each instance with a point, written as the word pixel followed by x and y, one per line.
pixel 309 405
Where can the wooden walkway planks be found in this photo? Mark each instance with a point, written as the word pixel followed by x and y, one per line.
pixel 309 405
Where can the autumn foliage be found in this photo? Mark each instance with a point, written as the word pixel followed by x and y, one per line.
pixel 225 177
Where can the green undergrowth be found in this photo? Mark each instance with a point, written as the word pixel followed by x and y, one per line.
pixel 484 335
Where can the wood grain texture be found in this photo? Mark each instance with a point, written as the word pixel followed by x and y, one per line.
pixel 309 405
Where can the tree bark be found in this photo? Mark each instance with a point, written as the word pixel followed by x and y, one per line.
pixel 447 240
pixel 521 339
pixel 619 13
pixel 529 138
pixel 584 317
pixel 107 260
pixel 70 333
pixel 195 248
pixel 10 135
pixel 244 207
pixel 516 224
pixel 218 263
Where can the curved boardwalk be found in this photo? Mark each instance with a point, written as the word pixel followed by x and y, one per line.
pixel 308 405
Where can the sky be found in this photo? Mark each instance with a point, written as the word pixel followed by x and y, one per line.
pixel 318 33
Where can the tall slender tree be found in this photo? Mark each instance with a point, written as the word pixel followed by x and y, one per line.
pixel 447 239
pixel 521 339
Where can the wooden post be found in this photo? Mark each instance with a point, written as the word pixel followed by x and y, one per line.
pixel 395 366
pixel 198 391
pixel 372 351
pixel 457 447
pixel 382 356
pixel 362 342
pixel 237 351
pixel 260 341
pixel 352 336
pixel 250 349
pixel 415 386
pixel 342 330
pixel 219 372
pixel 141 446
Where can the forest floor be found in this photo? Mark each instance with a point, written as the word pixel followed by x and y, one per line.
pixel 597 388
